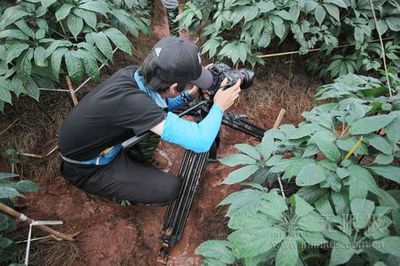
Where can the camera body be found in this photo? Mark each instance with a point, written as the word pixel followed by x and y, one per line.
pixel 220 71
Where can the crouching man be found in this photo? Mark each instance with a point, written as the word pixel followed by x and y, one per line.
pixel 134 100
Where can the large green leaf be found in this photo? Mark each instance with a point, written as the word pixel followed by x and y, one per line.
pixel 245 218
pixel 302 208
pixel 389 172
pixel 310 174
pixel 120 40
pixel 314 238
pixel 216 249
pixel 393 23
pixel 333 11
pixel 24 65
pixel 302 131
pixel 326 146
pixel 324 207
pixel 389 245
pixel 12 14
pixel 21 24
pixel 56 59
pixel 237 159
pixel 383 159
pixel 279 27
pixel 13 34
pixel 89 17
pixel 312 222
pixel 125 19
pixel 288 253
pixel 341 254
pixel 249 150
pixel 320 14
pixel 74 66
pixel 38 57
pixel 347 144
pixel 340 202
pixel 265 6
pixel 32 89
pixel 393 130
pixel 75 25
pixel 241 174
pixel 253 242
pixel 362 210
pixel 5 94
pixel 91 66
pixel 47 3
pixel 267 145
pixel 25 186
pixel 247 198
pixel 104 45
pixel 63 11
pixel 379 143
pixel 370 124
pixel 96 6
pixel 54 45
pixel 8 192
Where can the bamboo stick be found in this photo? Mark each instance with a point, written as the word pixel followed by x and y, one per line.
pixel 9 126
pixel 22 217
pixel 316 49
pixel 279 118
pixel 71 90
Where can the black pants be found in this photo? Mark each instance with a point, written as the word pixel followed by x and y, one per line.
pixel 124 178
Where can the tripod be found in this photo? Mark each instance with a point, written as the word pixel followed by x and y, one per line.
pixel 190 171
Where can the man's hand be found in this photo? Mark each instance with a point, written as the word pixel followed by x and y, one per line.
pixel 194 92
pixel 225 98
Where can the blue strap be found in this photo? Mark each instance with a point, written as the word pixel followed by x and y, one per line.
pixel 196 137
pixel 157 98
pixel 179 101
pixel 102 159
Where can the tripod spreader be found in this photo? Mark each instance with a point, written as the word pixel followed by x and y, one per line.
pixel 239 122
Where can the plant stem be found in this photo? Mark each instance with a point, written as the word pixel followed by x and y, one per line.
pixel 62 27
pixel 382 47
pixel 344 130
pixel 281 186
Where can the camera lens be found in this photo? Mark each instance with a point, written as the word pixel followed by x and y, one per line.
pixel 247 77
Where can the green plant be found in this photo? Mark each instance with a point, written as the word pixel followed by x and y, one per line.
pixel 41 39
pixel 240 30
pixel 266 226
pixel 337 159
pixel 10 189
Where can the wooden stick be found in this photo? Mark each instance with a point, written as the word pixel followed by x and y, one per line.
pixel 71 90
pixel 382 47
pixel 31 155
pixel 9 126
pixel 279 118
pixel 314 50
pixel 22 217
pixel 39 155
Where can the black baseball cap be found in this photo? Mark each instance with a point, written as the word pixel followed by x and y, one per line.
pixel 178 60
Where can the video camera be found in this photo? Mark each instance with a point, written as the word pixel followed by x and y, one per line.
pixel 220 71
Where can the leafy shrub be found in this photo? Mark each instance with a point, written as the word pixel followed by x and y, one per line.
pixel 9 189
pixel 41 39
pixel 238 30
pixel 361 221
